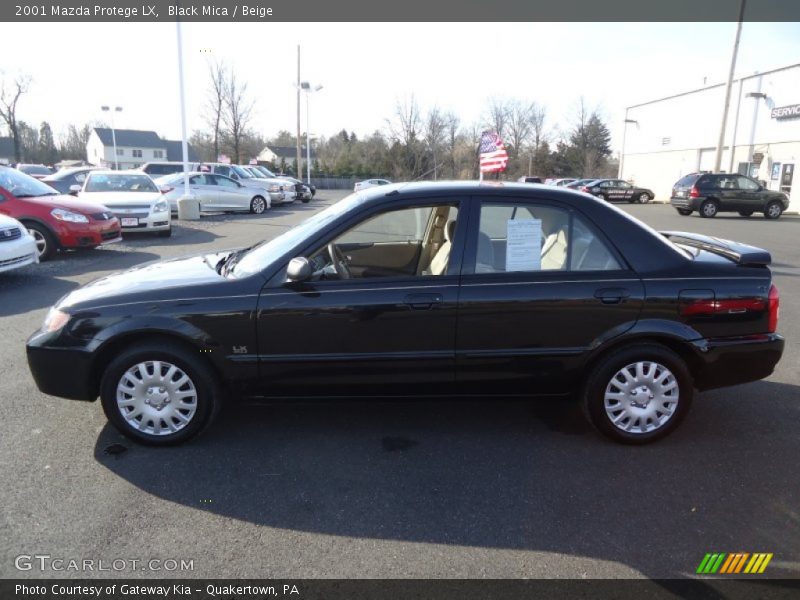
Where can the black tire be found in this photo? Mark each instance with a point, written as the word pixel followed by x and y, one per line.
pixel 165 233
pixel 746 213
pixel 602 377
pixel 684 212
pixel 773 210
pixel 709 209
pixel 258 205
pixel 43 236
pixel 643 198
pixel 206 405
pixel 306 200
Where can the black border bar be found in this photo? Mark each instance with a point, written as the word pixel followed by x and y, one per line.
pixel 399 589
pixel 396 10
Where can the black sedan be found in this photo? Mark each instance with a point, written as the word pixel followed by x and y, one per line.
pixel 617 189
pixel 424 289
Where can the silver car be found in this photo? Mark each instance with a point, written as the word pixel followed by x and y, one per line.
pixel 277 193
pixel 216 193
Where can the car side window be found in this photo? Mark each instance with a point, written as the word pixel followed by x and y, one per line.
pixel 605 184
pixel 531 237
pixel 747 184
pixel 79 177
pixel 398 243
pixel 198 180
pixel 225 182
pixel 727 182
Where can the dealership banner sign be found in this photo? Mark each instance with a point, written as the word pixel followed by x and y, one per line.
pixel 786 112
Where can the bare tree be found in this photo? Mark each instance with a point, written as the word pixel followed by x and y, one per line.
pixel 238 111
pixel 452 125
pixel 538 115
pixel 435 135
pixel 496 116
pixel 404 130
pixel 215 103
pixel 9 98
pixel 519 114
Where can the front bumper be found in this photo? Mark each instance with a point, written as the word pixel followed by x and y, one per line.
pixel 18 253
pixel 94 233
pixel 146 223
pixel 731 361
pixel 62 372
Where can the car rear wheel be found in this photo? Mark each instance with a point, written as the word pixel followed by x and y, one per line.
pixel 746 213
pixel 638 394
pixel 709 209
pixel 643 198
pixel 258 205
pixel 684 212
pixel 773 210
pixel 45 242
pixel 159 394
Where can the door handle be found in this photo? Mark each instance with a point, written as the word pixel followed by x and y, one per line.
pixel 611 295
pixel 422 301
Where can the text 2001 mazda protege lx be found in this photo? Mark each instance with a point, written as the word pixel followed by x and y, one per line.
pixel 457 289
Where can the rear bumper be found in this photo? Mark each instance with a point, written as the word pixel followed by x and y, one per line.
pixel 730 361
pixel 685 203
pixel 62 372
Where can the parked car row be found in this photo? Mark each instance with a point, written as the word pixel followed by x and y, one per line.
pixel 87 207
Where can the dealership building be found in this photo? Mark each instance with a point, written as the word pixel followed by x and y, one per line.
pixel 667 138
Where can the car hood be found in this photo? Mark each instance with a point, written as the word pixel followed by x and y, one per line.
pixel 161 275
pixel 66 202
pixel 112 199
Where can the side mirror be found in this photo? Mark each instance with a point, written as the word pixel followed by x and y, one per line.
pixel 74 188
pixel 299 270
pixel 165 189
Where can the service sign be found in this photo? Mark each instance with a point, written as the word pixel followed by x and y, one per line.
pixel 786 112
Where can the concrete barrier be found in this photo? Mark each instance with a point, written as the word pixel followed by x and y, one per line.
pixel 188 208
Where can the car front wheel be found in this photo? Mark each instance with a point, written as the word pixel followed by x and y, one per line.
pixel 159 394
pixel 773 210
pixel 709 209
pixel 644 198
pixel 258 205
pixel 638 394
pixel 45 242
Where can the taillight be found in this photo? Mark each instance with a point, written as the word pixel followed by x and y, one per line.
pixel 585 189
pixel 694 193
pixel 728 306
pixel 774 308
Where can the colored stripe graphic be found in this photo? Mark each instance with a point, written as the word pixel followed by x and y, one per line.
pixel 732 563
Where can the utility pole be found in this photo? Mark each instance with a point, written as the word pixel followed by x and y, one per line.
pixel 299 155
pixel 721 141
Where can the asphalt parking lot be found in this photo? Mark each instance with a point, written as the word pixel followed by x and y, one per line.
pixel 403 489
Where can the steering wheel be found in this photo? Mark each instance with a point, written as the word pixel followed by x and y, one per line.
pixel 339 261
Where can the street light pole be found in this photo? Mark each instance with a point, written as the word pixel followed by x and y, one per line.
pixel 184 143
pixel 113 132
pixel 721 140
pixel 306 87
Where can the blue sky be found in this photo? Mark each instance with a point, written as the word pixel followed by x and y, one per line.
pixel 366 67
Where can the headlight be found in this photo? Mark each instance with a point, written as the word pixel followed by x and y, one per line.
pixel 67 215
pixel 161 206
pixel 274 188
pixel 55 320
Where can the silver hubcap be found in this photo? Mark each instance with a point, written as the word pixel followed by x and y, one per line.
pixel 41 242
pixel 641 397
pixel 156 397
pixel 710 209
pixel 774 210
pixel 258 205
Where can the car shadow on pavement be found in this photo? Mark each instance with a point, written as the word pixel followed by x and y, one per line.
pixel 183 234
pixel 498 474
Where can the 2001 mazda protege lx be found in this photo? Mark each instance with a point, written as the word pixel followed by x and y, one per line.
pixel 424 289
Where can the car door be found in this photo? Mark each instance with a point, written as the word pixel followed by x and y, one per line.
pixel 233 195
pixel 749 197
pixel 623 189
pixel 540 286
pixel 203 189
pixel 387 330
pixel 729 193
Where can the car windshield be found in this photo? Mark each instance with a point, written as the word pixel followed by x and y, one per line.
pixel 21 185
pixel 241 172
pixel 265 171
pixel 36 170
pixel 120 182
pixel 259 256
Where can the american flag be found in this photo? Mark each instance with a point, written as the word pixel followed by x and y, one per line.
pixel 493 155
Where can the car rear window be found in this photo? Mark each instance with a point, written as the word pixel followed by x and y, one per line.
pixel 687 180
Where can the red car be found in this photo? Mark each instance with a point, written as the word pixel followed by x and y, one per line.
pixel 55 221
